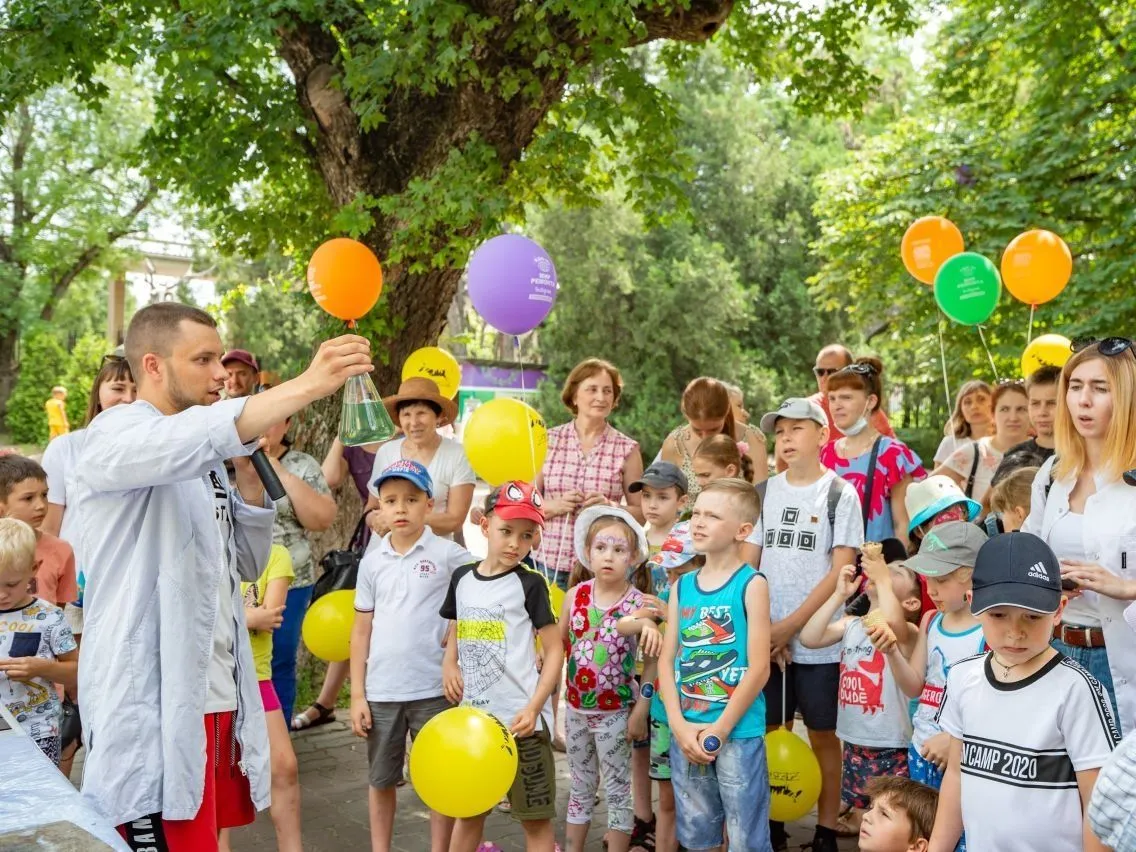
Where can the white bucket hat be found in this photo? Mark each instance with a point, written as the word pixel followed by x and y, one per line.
pixel 592 514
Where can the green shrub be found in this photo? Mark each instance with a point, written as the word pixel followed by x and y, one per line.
pixel 84 364
pixel 43 364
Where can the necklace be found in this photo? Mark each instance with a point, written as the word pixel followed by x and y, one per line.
pixel 1007 669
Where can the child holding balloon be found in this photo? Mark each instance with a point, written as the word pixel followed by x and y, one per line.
pixel 490 663
pixel 601 688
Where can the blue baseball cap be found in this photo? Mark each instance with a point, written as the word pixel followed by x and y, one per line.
pixel 1016 569
pixel 411 471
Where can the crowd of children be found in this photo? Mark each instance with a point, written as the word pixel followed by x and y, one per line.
pixel 942 714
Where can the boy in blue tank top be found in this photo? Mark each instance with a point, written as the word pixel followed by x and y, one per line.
pixel 714 663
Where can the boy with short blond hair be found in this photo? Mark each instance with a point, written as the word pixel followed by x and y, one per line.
pixel 901 818
pixel 714 663
pixel 37 649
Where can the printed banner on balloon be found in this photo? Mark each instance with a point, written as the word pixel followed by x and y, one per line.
pixel 512 283
pixel 1049 350
pixel 505 439
pixel 1036 266
pixel 464 760
pixel 436 364
pixel 345 278
pixel 927 244
pixel 967 288
pixel 794 776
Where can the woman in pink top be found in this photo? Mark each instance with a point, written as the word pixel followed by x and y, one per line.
pixel 588 463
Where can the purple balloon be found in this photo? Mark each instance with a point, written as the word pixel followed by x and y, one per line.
pixel 512 283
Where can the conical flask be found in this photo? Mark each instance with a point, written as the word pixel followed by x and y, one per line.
pixel 365 419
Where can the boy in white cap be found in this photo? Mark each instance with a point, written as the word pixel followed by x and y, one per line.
pixel 800 544
pixel 1029 727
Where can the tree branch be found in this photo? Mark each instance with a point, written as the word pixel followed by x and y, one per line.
pixel 90 254
pixel 697 23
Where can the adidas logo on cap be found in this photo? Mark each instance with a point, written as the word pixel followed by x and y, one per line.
pixel 1037 572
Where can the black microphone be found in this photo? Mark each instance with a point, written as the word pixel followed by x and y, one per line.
pixel 268 478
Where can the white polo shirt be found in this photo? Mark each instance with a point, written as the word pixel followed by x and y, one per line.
pixel 405 592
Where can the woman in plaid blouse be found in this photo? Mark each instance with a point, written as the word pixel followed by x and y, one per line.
pixel 588 462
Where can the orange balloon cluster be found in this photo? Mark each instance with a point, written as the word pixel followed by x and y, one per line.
pixel 345 278
pixel 1036 266
pixel 928 244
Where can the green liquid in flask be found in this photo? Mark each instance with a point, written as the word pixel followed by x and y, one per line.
pixel 365 419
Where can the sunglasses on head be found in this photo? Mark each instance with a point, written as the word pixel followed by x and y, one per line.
pixel 1109 346
pixel 1004 382
pixel 858 369
pixel 113 359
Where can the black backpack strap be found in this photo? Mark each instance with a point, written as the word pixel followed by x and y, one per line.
pixel 835 490
pixel 866 500
pixel 1049 482
pixel 973 470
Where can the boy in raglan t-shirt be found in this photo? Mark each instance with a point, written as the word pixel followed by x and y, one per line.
pixel 801 553
pixel 498 606
pixel 1029 727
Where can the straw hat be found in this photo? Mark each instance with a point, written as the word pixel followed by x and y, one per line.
pixel 421 389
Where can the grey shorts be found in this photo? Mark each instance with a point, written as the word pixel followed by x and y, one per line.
pixel 391 721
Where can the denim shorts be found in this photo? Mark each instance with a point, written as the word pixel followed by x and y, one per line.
pixel 733 789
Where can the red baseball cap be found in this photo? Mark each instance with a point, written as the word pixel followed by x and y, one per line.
pixel 241 355
pixel 516 500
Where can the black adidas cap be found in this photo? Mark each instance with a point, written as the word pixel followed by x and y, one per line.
pixel 1016 569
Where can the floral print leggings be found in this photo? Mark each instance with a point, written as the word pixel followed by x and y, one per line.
pixel 597 742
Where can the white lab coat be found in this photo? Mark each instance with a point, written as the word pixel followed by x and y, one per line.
pixel 147 536
pixel 1109 537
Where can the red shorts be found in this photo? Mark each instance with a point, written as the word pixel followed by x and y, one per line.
pixel 227 802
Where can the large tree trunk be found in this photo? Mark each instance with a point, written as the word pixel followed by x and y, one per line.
pixel 9 370
pixel 418 135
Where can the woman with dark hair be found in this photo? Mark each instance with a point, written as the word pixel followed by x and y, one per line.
pixel 863 457
pixel 709 411
pixel 972 466
pixel 113 385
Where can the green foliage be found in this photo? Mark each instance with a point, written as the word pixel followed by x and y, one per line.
pixel 83 363
pixel 1002 143
pixel 43 364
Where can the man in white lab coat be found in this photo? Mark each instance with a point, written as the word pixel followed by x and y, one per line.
pixel 176 741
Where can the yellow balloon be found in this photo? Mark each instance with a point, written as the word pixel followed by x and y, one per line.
pixel 463 762
pixel 794 776
pixel 327 626
pixel 1049 350
pixel 556 598
pixel 436 364
pixel 505 439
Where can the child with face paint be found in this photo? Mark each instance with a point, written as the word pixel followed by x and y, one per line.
pixel 601 688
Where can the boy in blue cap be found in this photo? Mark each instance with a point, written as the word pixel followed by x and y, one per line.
pixel 396 672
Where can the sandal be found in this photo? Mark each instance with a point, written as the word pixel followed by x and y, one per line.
pixel 848 824
pixel 302 721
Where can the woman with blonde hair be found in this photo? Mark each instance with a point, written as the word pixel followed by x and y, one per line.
pixel 1084 506
pixel 708 410
pixel 971 419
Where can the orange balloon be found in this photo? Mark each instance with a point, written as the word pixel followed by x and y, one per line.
pixel 928 244
pixel 345 278
pixel 1036 266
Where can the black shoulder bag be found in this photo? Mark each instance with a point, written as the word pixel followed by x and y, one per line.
pixel 341 567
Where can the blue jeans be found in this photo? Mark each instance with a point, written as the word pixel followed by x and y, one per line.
pixel 285 644
pixel 1095 662
pixel 734 790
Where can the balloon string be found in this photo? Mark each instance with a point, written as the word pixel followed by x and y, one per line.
pixel 982 337
pixel 1029 333
pixel 946 382
pixel 784 693
pixel 547 571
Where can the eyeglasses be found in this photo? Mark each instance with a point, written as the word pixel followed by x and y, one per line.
pixel 821 372
pixel 1109 346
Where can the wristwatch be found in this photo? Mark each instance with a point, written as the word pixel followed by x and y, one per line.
pixel 647 689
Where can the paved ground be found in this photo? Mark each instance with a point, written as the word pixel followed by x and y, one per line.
pixel 333 772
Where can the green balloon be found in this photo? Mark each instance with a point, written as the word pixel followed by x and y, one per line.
pixel 967 288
